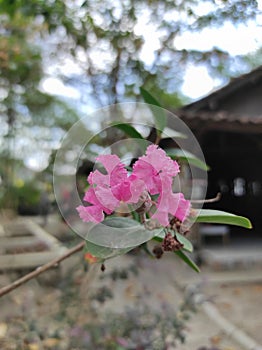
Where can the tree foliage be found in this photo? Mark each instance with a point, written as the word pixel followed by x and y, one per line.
pixel 22 103
pixel 31 121
pixel 117 47
pixel 109 40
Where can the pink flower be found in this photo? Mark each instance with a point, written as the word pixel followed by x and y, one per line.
pixel 171 203
pixel 149 167
pixel 94 212
pixel 183 207
pixel 91 213
pixel 108 190
pixel 153 174
pixel 157 170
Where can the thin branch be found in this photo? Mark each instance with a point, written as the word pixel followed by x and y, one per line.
pixel 211 200
pixel 7 289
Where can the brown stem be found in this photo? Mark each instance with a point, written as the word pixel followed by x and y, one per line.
pixel 142 217
pixel 158 139
pixel 210 200
pixel 7 289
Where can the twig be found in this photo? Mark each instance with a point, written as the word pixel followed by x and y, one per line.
pixel 210 200
pixel 7 289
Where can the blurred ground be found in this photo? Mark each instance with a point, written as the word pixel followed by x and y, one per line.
pixel 55 311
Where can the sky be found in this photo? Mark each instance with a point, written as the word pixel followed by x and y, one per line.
pixel 242 40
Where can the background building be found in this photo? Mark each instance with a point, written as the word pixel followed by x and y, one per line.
pixel 228 126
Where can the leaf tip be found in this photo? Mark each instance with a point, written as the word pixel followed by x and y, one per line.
pixel 249 225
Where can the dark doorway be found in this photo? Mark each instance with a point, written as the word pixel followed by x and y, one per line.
pixel 236 171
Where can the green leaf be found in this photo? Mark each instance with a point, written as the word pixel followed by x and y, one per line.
pixel 158 113
pixel 148 98
pixel 187 260
pixel 176 153
pixel 187 245
pixel 119 233
pixel 104 253
pixel 120 222
pixel 221 217
pixel 116 236
pixel 173 133
pixel 128 129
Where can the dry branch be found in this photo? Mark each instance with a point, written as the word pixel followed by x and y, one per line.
pixel 210 200
pixel 7 289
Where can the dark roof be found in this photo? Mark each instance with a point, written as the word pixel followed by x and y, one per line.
pixel 214 107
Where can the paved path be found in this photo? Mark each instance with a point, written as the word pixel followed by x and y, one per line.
pixel 167 281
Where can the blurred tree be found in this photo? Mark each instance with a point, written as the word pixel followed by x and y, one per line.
pixel 30 120
pixel 110 41
pixel 254 59
pixel 113 47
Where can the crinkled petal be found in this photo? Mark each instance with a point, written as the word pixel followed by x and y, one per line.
pixel 181 211
pixel 160 161
pixel 90 214
pixel 162 210
pixel 146 172
pixel 154 167
pixel 118 175
pixel 137 187
pixel 122 191
pixel 175 204
pixel 106 198
pixel 130 190
pixel 161 217
pixel 91 197
pixel 171 203
pixel 109 161
pixel 97 178
pixel 116 171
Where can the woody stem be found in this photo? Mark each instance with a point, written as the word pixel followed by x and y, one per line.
pixel 7 289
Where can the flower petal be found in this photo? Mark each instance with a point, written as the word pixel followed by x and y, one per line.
pixel 122 191
pixel 146 172
pixel 137 187
pixel 182 207
pixel 90 214
pixel 160 161
pixel 154 167
pixel 106 199
pixel 92 198
pixel 97 178
pixel 162 217
pixel 109 161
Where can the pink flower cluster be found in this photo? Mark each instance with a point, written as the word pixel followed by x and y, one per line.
pixel 152 175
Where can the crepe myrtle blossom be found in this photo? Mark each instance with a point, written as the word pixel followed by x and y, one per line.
pixel 152 175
